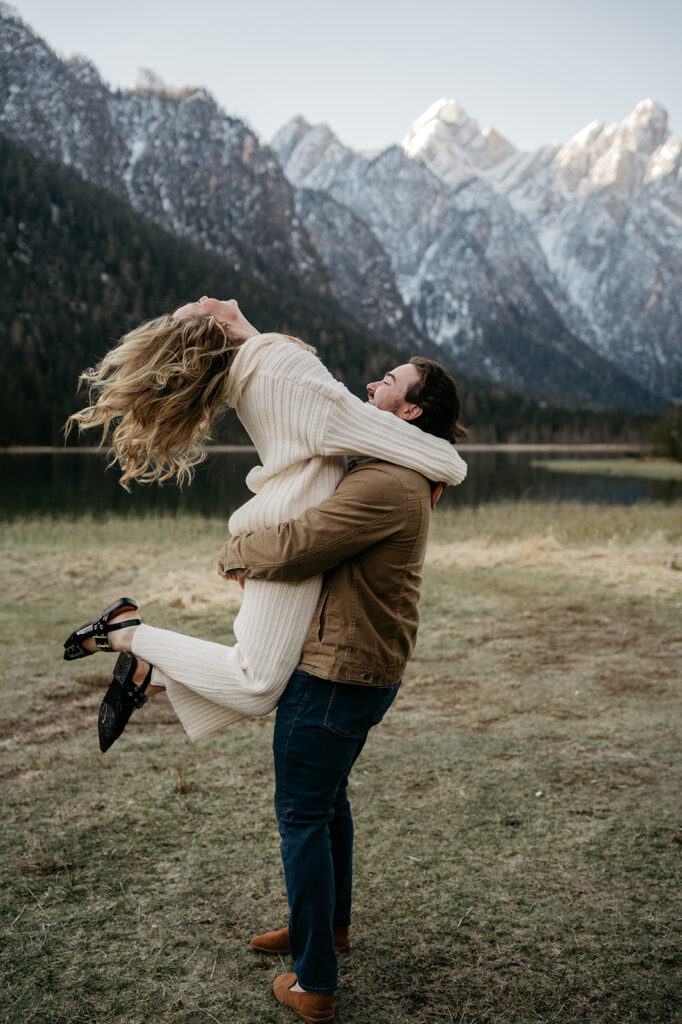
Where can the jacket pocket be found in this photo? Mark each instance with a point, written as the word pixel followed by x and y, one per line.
pixel 323 613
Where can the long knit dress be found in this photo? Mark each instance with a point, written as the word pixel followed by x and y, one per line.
pixel 302 421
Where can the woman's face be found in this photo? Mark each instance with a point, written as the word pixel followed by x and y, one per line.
pixel 225 310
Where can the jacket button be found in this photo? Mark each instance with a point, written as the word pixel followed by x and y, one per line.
pixel 367 675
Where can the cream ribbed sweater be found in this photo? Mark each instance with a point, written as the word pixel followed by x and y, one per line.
pixel 302 422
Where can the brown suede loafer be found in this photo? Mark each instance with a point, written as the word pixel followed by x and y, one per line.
pixel 278 942
pixel 312 1007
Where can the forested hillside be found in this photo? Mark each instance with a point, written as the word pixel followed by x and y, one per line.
pixel 80 267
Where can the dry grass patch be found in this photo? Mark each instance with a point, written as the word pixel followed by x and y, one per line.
pixel 654 566
pixel 517 813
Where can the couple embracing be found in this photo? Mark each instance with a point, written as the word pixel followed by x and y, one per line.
pixel 330 552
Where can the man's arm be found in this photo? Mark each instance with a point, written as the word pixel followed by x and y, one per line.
pixel 369 504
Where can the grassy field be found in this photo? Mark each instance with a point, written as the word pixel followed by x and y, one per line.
pixel 518 816
pixel 646 468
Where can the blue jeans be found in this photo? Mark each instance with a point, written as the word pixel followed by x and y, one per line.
pixel 320 729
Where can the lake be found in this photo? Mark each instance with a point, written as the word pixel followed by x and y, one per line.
pixel 69 481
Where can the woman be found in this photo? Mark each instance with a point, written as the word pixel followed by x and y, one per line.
pixel 164 383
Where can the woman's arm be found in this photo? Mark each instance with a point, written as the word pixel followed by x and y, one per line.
pixel 296 397
pixel 358 428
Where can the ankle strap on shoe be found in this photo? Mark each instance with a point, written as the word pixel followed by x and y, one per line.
pixel 137 692
pixel 101 630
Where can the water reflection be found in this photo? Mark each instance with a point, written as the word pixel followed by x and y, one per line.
pixel 511 475
pixel 70 482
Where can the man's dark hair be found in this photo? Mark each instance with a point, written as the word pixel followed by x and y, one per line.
pixel 437 396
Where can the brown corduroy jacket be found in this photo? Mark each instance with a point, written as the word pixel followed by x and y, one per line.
pixel 369 540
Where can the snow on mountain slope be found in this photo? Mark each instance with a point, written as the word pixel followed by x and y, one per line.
pixel 606 209
pixel 467 264
pixel 451 144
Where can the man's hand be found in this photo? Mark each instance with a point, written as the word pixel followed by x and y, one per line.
pixel 436 492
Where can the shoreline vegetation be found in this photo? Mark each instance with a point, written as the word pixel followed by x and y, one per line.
pixel 517 812
pixel 652 468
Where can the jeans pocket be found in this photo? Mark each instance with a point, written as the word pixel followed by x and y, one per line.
pixel 353 710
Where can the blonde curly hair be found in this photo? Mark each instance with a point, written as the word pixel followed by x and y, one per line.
pixel 158 392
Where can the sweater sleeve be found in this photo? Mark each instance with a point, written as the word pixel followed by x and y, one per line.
pixel 354 427
pixel 368 505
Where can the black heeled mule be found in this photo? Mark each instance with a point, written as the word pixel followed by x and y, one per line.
pixel 121 699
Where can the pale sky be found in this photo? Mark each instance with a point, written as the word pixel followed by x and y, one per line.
pixel 535 70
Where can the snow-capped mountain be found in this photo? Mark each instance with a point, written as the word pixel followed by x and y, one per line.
pixel 466 262
pixel 556 272
pixel 452 145
pixel 606 209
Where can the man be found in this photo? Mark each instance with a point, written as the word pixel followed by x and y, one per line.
pixel 369 539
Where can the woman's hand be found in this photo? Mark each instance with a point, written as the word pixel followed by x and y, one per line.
pixel 227 311
pixel 232 579
pixel 436 492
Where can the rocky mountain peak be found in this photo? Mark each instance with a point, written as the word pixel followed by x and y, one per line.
pixel 294 129
pixel 666 163
pixel 452 144
pixel 447 111
pixel 646 127
pixel 310 154
pixel 147 80
pixel 9 12
pixel 614 154
pixel 84 71
pixel 148 83
pixel 286 139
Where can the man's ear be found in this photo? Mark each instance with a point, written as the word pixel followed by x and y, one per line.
pixel 411 412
